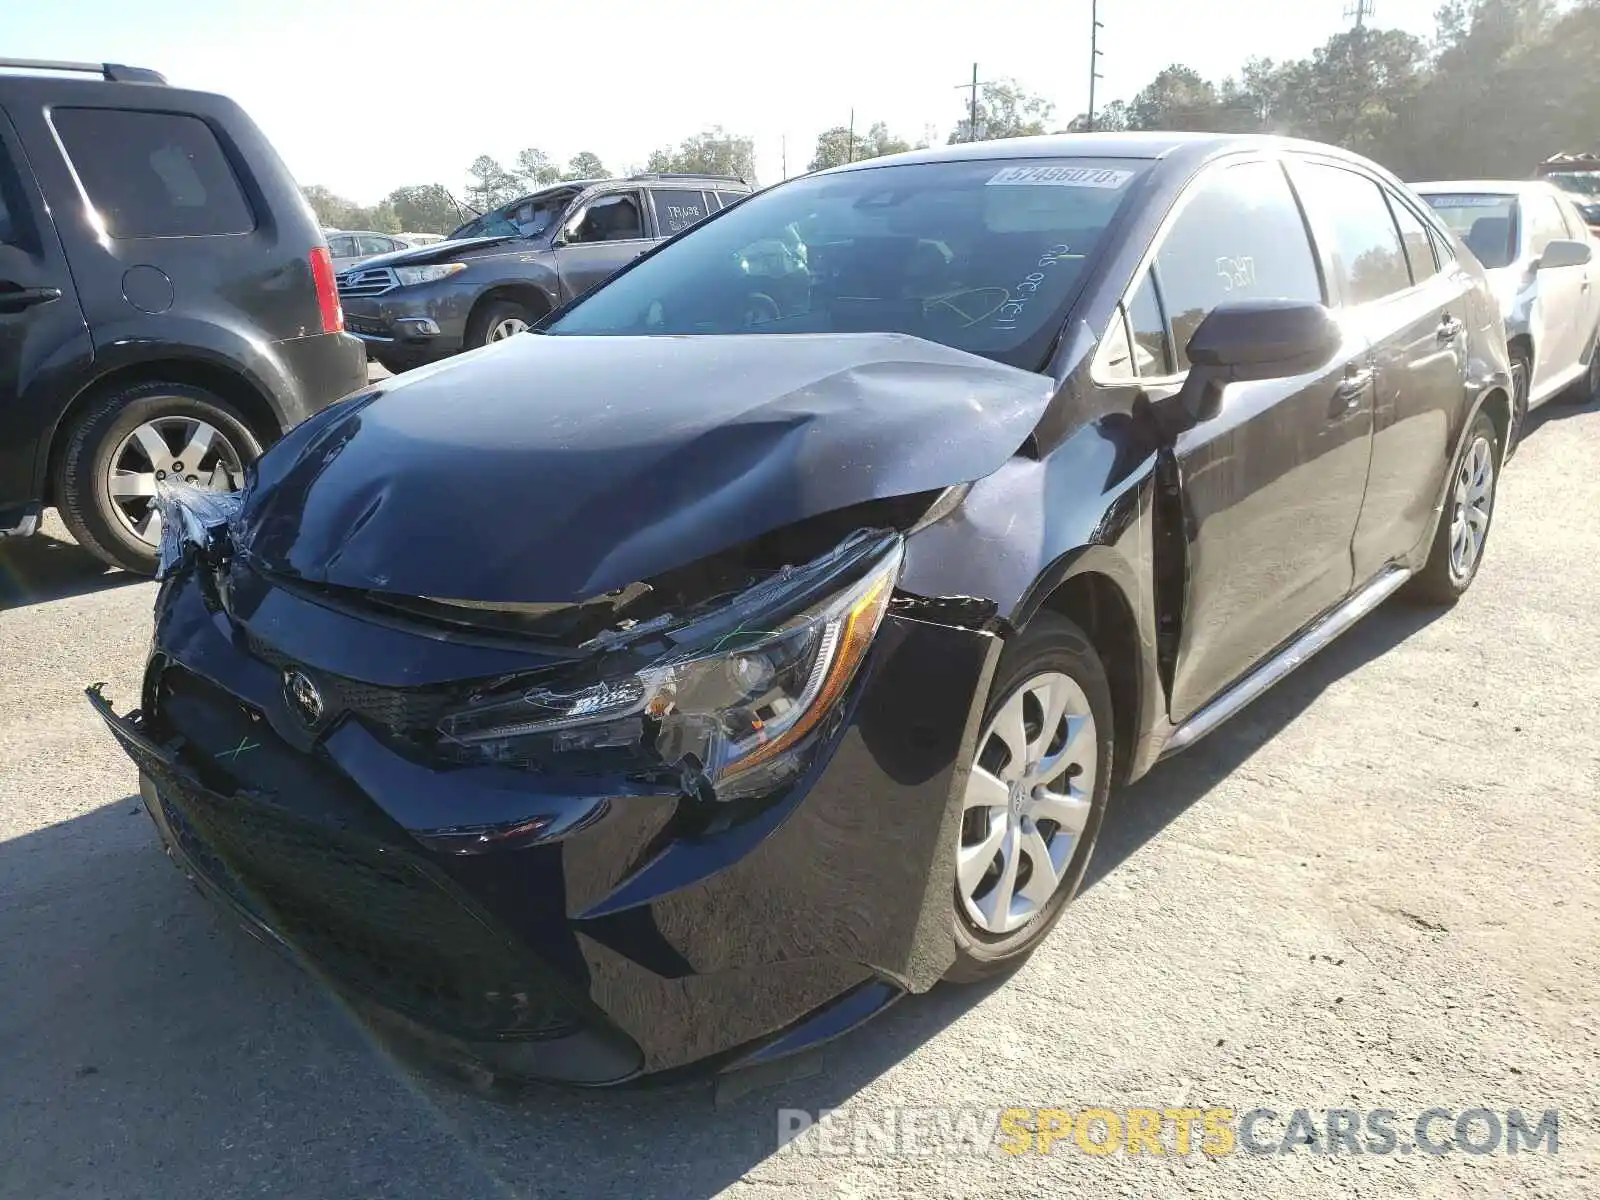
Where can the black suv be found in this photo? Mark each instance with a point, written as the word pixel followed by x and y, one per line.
pixel 501 272
pixel 167 303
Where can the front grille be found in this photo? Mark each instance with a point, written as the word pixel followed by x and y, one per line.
pixel 398 710
pixel 375 916
pixel 369 281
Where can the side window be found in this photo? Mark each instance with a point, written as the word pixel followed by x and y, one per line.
pixel 343 246
pixel 369 243
pixel 1114 363
pixel 1414 235
pixel 1544 222
pixel 153 174
pixel 677 209
pixel 1239 237
pixel 726 198
pixel 1152 351
pixel 1350 210
pixel 608 219
pixel 1442 249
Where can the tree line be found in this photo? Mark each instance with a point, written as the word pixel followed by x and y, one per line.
pixel 1500 86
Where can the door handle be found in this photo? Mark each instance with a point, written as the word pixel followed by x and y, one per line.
pixel 21 298
pixel 1354 385
pixel 1449 329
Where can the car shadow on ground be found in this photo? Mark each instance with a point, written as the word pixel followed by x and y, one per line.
pixel 149 1040
pixel 41 568
pixel 1555 411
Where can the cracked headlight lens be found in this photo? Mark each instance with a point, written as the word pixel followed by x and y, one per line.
pixel 733 716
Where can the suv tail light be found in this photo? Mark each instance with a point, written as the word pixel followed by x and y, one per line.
pixel 327 290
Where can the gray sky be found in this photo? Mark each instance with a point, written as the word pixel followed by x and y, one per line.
pixel 366 95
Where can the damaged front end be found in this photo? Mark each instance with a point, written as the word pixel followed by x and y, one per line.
pixel 709 807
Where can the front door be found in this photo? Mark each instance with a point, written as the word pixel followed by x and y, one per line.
pixel 1390 284
pixel 1271 486
pixel 39 316
pixel 1563 304
pixel 598 240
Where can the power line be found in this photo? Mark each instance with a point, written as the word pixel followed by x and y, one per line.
pixel 1095 53
pixel 972 118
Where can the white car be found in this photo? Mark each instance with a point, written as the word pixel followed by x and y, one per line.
pixel 351 246
pixel 1538 252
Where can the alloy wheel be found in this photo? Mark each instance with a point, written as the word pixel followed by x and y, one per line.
pixel 1028 800
pixel 505 328
pixel 1474 500
pixel 167 449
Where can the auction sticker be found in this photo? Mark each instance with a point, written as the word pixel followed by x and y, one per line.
pixel 1088 177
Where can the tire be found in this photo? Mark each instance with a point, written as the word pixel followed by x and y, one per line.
pixel 1447 575
pixel 991 939
pixel 1587 390
pixel 490 323
pixel 113 434
pixel 1521 379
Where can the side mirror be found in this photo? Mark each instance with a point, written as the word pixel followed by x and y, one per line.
pixel 1565 253
pixel 1254 339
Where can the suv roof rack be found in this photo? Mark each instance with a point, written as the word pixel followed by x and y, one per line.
pixel 110 72
pixel 688 175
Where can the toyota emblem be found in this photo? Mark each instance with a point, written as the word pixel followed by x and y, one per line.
pixel 302 696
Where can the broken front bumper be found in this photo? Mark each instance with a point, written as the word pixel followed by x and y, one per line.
pixel 609 936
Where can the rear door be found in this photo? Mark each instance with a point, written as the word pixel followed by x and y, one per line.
pixel 676 209
pixel 41 327
pixel 599 239
pixel 1382 263
pixel 1272 485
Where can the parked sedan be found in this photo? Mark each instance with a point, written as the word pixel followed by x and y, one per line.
pixel 1537 251
pixel 688 682
pixel 350 247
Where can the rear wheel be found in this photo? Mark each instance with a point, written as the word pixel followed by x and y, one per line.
pixel 1464 525
pixel 1034 799
pixel 1589 389
pixel 126 443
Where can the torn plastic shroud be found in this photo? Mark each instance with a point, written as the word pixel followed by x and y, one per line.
pixel 693 692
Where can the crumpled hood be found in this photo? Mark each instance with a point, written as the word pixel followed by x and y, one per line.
pixel 433 252
pixel 553 468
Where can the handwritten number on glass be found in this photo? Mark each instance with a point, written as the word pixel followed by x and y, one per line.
pixel 1236 274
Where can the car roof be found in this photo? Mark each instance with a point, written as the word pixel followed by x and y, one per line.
pixel 1146 145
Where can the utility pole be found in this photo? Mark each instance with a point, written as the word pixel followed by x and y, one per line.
pixel 1359 12
pixel 783 153
pixel 850 154
pixel 1095 26
pixel 972 107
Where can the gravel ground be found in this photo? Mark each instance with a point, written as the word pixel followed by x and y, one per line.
pixel 1375 889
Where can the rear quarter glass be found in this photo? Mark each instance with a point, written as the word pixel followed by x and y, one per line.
pixel 153 174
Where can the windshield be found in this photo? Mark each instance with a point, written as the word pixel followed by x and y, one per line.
pixel 527 218
pixel 1582 184
pixel 1487 223
pixel 984 256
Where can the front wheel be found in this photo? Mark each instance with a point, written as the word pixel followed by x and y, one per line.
pixel 1034 799
pixel 497 321
pixel 128 442
pixel 1463 532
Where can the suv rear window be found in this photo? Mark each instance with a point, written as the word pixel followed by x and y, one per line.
pixel 153 174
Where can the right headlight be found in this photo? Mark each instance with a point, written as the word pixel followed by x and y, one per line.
pixel 734 713
pixel 411 276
